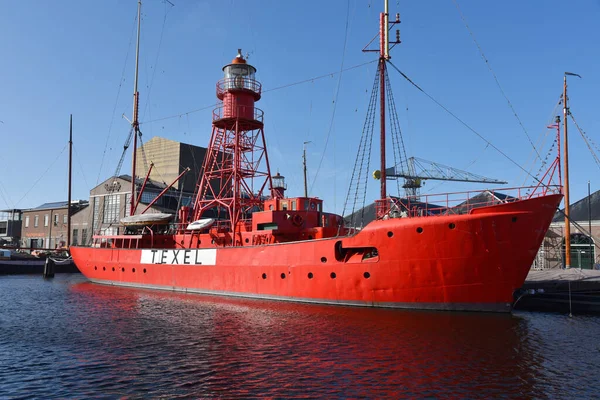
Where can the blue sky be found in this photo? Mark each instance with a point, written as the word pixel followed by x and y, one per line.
pixel 77 57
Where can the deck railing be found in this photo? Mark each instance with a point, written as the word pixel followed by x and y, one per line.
pixel 456 202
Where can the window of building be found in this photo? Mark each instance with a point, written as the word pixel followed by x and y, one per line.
pixel 127 203
pixel 75 234
pixel 84 236
pixel 27 221
pixel 148 196
pixel 96 215
pixel 45 219
pixel 65 219
pixel 55 219
pixel 3 228
pixel 36 220
pixel 111 208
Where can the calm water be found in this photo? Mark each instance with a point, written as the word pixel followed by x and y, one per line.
pixel 67 338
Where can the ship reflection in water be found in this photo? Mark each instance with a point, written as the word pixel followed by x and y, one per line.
pixel 68 338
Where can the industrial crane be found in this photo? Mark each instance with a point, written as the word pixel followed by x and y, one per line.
pixel 420 170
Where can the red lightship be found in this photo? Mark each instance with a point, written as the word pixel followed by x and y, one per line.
pixel 244 237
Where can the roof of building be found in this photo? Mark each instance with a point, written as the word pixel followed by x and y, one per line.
pixel 579 210
pixel 60 204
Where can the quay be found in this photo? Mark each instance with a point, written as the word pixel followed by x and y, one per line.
pixel 571 290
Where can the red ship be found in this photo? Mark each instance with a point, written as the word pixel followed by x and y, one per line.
pixel 464 253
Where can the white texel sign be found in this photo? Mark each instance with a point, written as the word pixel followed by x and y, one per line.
pixel 182 257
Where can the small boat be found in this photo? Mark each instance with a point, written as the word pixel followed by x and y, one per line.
pixel 147 219
pixel 200 224
pixel 14 262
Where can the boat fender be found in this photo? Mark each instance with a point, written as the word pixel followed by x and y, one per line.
pixel 297 220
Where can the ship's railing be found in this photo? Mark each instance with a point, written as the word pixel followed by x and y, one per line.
pixel 238 83
pixel 247 112
pixel 456 202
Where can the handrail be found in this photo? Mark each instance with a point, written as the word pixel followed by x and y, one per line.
pixel 456 202
pixel 238 83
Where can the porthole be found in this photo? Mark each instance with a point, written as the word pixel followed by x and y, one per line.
pixel 323 259
pixel 310 275
pixel 103 268
pixel 95 268
pixel 144 270
pixel 451 225
pixel 332 275
pixel 113 268
pixel 132 269
pixel 122 269
pixel 419 230
pixel 367 275
pixel 264 276
pixel 282 275
pixel 390 234
pixel 247 240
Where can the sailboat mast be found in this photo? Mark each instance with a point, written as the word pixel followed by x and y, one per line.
pixel 384 50
pixel 566 178
pixel 136 99
pixel 70 169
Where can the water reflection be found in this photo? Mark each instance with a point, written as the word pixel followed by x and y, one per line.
pixel 66 338
pixel 223 345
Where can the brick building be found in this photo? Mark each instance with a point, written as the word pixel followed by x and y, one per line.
pixel 170 158
pixel 45 226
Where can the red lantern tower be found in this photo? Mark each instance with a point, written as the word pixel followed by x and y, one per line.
pixel 231 180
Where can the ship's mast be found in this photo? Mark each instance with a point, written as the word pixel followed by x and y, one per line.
pixel 136 99
pixel 70 181
pixel 384 50
pixel 304 168
pixel 566 187
pixel 566 173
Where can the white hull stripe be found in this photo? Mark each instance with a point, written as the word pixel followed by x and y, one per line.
pixel 179 257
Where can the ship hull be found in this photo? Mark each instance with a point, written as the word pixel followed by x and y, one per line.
pixel 471 262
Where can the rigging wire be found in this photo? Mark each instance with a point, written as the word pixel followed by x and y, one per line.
pixel 162 31
pixel 399 150
pixel 81 167
pixel 479 135
pixel 43 174
pixel 543 138
pixel 362 162
pixel 335 98
pixel 331 74
pixel 487 63
pixel 587 140
pixel 121 81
